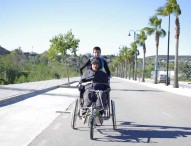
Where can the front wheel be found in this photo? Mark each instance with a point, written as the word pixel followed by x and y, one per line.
pixel 91 128
pixel 74 114
pixel 113 115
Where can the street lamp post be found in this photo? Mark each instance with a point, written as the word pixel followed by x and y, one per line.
pixel 167 62
pixel 135 63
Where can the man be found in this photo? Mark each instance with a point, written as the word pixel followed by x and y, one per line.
pixel 99 81
pixel 102 62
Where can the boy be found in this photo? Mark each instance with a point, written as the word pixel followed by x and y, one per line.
pixel 103 63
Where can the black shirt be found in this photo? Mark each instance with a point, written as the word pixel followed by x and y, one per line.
pixel 88 65
pixel 97 78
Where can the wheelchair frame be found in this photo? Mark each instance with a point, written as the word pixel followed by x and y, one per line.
pixel 92 115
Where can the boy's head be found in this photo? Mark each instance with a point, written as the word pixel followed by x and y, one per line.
pixel 96 51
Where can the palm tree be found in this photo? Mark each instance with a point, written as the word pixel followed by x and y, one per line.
pixel 141 41
pixel 118 63
pixel 115 66
pixel 134 50
pixel 128 56
pixel 173 7
pixel 122 54
pixel 156 29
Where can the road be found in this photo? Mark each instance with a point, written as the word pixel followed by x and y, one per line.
pixel 144 116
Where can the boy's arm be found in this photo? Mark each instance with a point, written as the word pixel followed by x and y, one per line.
pixel 83 66
pixel 87 76
pixel 107 68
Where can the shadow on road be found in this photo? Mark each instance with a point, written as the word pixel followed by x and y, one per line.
pixel 135 133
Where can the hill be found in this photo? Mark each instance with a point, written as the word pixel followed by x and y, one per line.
pixel 3 51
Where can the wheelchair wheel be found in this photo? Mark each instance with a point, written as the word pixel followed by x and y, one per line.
pixel 91 128
pixel 109 106
pixel 74 114
pixel 113 114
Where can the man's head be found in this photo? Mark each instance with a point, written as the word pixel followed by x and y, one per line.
pixel 95 64
pixel 97 51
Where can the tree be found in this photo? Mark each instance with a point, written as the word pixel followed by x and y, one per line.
pixel 128 56
pixel 16 56
pixel 134 50
pixel 156 29
pixel 10 65
pixel 185 70
pixel 123 53
pixel 118 64
pixel 148 67
pixel 172 7
pixel 141 41
pixel 44 58
pixel 61 44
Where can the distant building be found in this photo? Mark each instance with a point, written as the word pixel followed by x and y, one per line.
pixel 171 57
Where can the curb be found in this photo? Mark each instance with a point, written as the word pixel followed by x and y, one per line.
pixel 179 91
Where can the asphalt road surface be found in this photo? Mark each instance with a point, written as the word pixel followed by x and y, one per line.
pixel 145 116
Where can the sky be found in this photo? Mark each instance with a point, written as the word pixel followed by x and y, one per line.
pixel 30 24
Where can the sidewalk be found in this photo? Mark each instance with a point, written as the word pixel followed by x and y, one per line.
pixel 14 92
pixel 182 90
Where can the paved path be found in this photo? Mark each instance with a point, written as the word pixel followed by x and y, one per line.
pixel 22 121
pixel 15 92
pixel 145 116
pixel 32 111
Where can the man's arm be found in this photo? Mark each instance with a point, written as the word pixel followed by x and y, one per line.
pixel 107 68
pixel 83 66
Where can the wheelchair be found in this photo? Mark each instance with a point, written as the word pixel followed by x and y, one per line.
pixel 93 116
